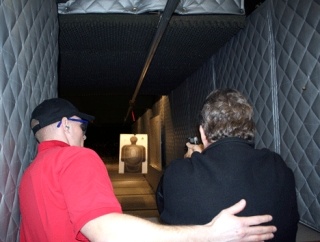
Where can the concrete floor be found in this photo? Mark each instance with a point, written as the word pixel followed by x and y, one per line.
pixel 133 192
pixel 305 234
pixel 137 198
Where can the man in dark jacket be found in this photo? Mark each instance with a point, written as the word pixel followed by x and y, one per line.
pixel 194 189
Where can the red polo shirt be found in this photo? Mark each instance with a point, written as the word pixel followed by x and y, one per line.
pixel 64 188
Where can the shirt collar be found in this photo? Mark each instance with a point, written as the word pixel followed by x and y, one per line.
pixel 230 139
pixel 50 144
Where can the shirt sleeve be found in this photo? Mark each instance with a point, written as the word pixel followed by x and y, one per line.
pixel 87 188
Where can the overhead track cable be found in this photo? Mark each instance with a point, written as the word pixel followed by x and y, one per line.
pixel 163 23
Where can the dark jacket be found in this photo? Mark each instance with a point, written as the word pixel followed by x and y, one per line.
pixel 194 190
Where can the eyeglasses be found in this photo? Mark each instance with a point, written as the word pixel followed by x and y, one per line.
pixel 83 125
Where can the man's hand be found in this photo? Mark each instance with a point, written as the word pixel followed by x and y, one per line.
pixel 230 228
pixel 192 148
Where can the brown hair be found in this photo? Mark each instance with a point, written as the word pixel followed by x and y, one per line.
pixel 227 113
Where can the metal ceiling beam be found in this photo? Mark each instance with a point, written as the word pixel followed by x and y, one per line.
pixel 163 23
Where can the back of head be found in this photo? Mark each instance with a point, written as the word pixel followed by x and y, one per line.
pixel 227 113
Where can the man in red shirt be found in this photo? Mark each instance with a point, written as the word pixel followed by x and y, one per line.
pixel 66 193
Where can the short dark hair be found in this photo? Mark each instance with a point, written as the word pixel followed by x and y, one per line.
pixel 227 113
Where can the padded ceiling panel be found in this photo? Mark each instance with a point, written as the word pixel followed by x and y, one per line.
pixel 142 6
pixel 104 54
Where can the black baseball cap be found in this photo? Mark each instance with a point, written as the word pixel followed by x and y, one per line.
pixel 53 110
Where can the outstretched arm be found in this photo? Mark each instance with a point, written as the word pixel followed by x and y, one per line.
pixel 225 227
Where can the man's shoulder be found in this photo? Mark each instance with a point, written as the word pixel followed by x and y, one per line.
pixel 81 150
pixel 78 153
pixel 179 166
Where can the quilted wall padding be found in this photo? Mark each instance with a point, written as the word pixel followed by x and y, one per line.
pixel 275 61
pixel 297 53
pixel 28 75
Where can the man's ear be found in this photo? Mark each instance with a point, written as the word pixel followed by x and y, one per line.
pixel 204 139
pixel 65 124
